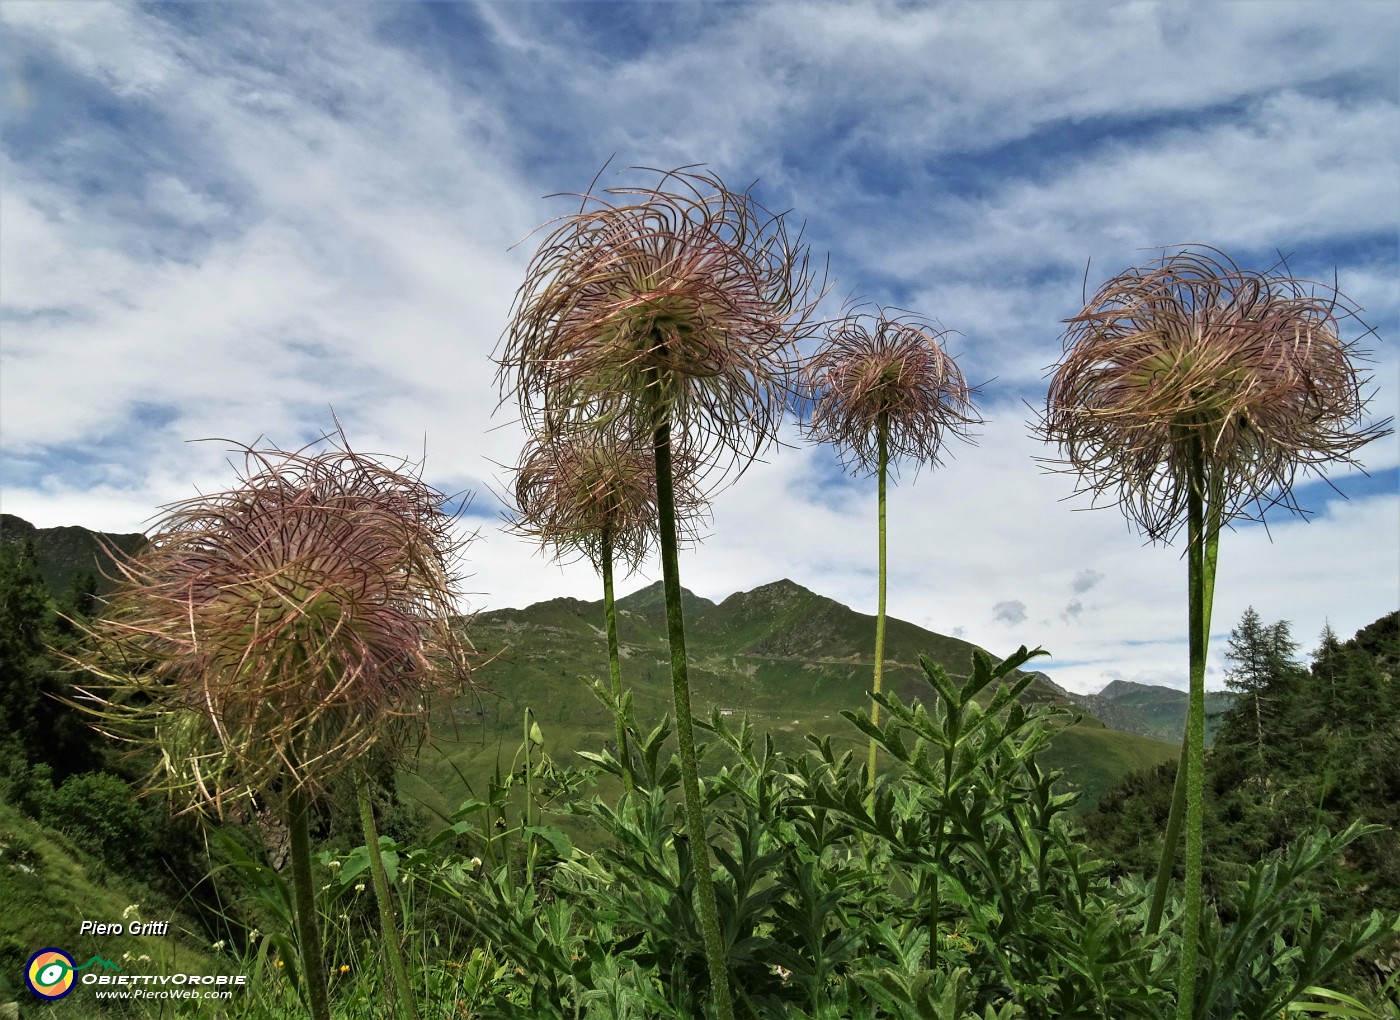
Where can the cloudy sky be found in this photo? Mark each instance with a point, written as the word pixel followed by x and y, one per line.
pixel 223 220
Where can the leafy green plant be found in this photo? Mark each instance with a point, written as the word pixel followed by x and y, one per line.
pixel 97 811
pixel 1278 947
pixel 958 886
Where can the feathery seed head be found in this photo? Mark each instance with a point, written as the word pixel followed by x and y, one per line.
pixel 582 491
pixel 682 302
pixel 270 633
pixel 1191 350
pixel 889 369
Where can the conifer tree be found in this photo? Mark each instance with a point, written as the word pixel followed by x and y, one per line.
pixel 1327 664
pixel 23 620
pixel 1262 658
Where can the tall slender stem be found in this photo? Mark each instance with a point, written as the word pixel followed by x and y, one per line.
pixel 313 968
pixel 390 944
pixel 882 433
pixel 1177 813
pixel 528 745
pixel 614 658
pixel 705 905
pixel 1197 559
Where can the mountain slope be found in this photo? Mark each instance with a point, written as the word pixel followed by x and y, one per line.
pixel 65 554
pixel 788 657
pixel 1151 711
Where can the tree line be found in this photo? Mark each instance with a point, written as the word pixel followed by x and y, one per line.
pixel 1307 743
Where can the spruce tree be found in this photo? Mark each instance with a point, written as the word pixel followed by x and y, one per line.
pixel 1262 671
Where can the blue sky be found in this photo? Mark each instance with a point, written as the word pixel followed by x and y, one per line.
pixel 222 220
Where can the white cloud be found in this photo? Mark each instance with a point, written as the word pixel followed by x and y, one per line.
pixel 326 218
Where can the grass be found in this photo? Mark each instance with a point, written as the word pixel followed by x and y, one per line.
pixel 48 888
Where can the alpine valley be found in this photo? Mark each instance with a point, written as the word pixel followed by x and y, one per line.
pixel 788 658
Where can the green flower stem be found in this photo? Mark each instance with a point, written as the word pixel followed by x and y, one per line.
pixel 390 943
pixel 1170 839
pixel 313 968
pixel 1178 807
pixel 882 433
pixel 705 905
pixel 614 659
pixel 529 768
pixel 1201 557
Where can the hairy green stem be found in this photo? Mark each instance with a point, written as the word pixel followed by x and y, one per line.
pixel 614 659
pixel 1202 551
pixel 705 905
pixel 935 896
pixel 313 968
pixel 1172 837
pixel 389 943
pixel 882 430
pixel 953 727
pixel 526 743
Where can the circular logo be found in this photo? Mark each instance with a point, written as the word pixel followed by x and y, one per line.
pixel 49 974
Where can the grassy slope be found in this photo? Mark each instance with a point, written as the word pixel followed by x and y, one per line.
pixel 48 888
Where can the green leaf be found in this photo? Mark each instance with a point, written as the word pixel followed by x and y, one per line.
pixel 391 866
pixel 563 846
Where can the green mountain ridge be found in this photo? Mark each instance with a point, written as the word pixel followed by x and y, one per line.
pixel 65 554
pixel 1151 710
pixel 789 658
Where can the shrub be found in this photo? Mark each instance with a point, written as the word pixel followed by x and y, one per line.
pixel 99 813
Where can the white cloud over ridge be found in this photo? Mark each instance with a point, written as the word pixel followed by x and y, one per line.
pixel 225 222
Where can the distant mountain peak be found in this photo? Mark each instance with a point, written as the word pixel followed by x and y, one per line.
pixel 776 594
pixel 781 586
pixel 1119 688
pixel 1151 710
pixel 15 529
pixel 653 596
pixel 780 591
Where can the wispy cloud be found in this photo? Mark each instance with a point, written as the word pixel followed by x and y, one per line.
pixel 228 220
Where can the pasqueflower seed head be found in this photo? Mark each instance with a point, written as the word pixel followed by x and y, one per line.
pixel 1193 353
pixel 680 302
pixel 586 492
pixel 891 369
pixel 269 634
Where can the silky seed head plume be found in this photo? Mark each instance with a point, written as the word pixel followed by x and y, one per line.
pixel 891 369
pixel 270 634
pixel 681 302
pixel 582 493
pixel 1191 350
